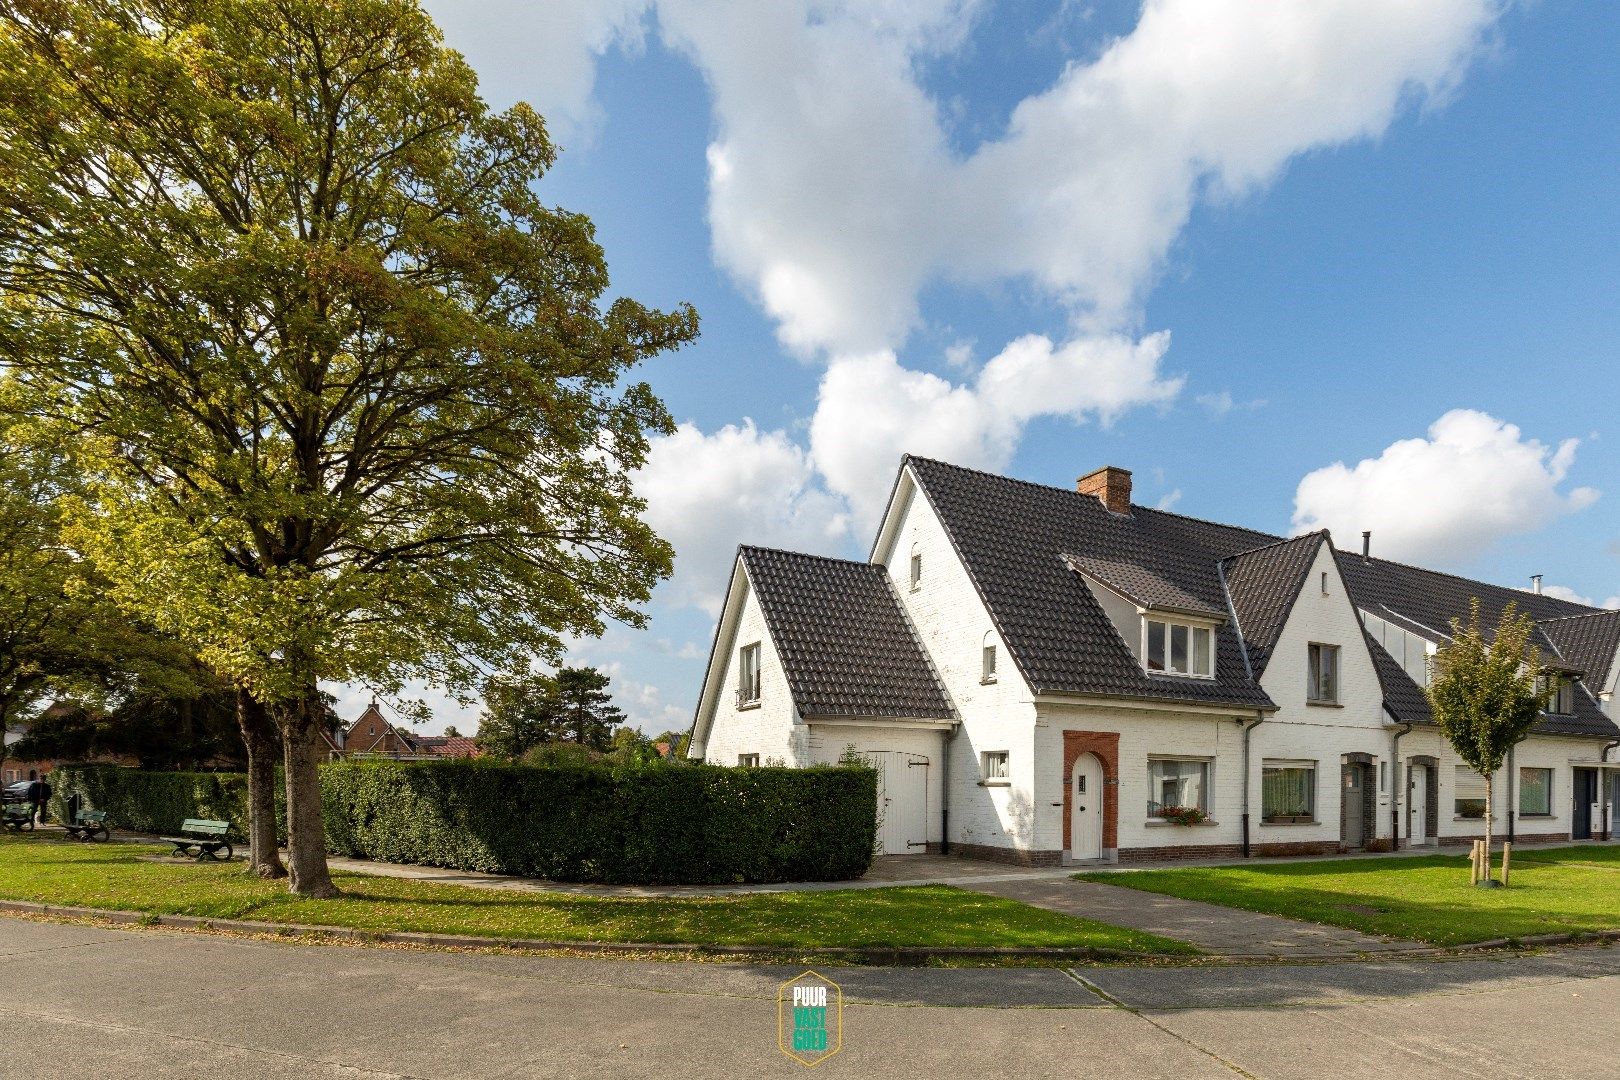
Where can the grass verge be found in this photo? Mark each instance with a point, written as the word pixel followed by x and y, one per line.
pixel 1427 898
pixel 123 877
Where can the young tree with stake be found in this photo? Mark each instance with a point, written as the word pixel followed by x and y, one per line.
pixel 350 402
pixel 1484 695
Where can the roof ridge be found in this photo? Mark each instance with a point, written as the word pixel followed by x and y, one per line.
pixel 1583 615
pixel 807 555
pixel 1472 581
pixel 1209 521
pixel 1318 533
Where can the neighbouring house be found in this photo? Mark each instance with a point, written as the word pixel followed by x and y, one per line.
pixel 373 735
pixel 1046 676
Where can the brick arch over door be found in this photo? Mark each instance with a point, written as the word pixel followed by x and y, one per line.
pixel 1105 744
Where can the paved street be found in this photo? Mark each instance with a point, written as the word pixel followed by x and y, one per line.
pixel 88 1001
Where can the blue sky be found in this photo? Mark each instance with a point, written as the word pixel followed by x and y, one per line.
pixel 1251 242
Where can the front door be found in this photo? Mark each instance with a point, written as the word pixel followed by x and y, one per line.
pixel 1086 803
pixel 902 801
pixel 1418 805
pixel 1353 814
pixel 1585 796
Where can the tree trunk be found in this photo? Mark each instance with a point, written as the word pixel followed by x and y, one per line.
pixel 306 835
pixel 264 853
pixel 1490 813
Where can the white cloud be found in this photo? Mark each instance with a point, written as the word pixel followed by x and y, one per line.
pixel 644 705
pixel 705 492
pixel 1222 403
pixel 551 63
pixel 1445 498
pixel 1564 592
pixel 871 409
pixel 1169 500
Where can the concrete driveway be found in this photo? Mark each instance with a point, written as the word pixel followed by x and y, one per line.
pixel 88 1001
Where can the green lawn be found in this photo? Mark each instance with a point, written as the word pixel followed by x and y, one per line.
pixel 1426 898
pixel 116 876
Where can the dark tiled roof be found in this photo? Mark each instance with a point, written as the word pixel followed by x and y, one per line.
pixel 1012 536
pixel 1264 583
pixel 843 638
pixel 1141 586
pixel 1403 697
pixel 1588 643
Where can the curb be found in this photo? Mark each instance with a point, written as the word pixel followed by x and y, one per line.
pixel 896 956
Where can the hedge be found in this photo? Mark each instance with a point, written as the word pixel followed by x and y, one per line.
pixel 659 824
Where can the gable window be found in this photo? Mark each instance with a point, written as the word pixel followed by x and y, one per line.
pixel 993 766
pixel 1470 794
pixel 1177 784
pixel 916 567
pixel 1535 792
pixel 748 675
pixel 1177 648
pixel 987 660
pixel 1288 792
pixel 1323 685
pixel 1557 694
pixel 748 761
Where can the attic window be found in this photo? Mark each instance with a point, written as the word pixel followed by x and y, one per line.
pixel 1178 648
pixel 748 675
pixel 916 567
pixel 987 673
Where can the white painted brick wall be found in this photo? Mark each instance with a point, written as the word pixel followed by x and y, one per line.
pixel 952 622
pixel 769 730
pixel 827 742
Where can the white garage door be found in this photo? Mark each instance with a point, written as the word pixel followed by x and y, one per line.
pixel 902 801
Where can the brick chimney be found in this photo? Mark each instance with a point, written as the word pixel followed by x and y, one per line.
pixel 1110 485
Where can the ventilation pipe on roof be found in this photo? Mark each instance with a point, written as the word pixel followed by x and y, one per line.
pixel 1535 584
pixel 1366 545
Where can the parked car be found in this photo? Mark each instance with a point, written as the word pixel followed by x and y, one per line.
pixel 15 792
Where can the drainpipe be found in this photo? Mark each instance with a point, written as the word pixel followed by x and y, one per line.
pixel 945 786
pixel 1512 797
pixel 1608 782
pixel 1395 788
pixel 1248 729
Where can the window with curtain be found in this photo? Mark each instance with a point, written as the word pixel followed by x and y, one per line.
pixel 1180 648
pixel 1324 674
pixel 1535 791
pixel 1288 792
pixel 748 674
pixel 1470 793
pixel 1177 784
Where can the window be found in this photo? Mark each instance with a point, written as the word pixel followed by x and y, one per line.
pixel 1470 794
pixel 987 660
pixel 993 764
pixel 1383 776
pixel 1324 674
pixel 1176 785
pixel 748 760
pixel 1288 792
pixel 916 567
pixel 1535 791
pixel 748 675
pixel 1179 648
pixel 1557 693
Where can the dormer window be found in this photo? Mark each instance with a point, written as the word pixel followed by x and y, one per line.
pixel 1178 648
pixel 1557 694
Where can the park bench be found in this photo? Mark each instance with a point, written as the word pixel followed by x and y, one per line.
pixel 18 816
pixel 90 825
pixel 208 837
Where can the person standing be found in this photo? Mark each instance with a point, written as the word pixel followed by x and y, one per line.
pixel 39 793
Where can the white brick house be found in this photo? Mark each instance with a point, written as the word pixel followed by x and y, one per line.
pixel 1048 675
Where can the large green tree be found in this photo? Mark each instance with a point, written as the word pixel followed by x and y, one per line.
pixel 1484 695
pixel 345 387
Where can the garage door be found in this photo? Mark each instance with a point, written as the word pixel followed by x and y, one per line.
pixel 902 801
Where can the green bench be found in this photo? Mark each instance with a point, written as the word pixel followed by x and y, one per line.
pixel 207 837
pixel 90 826
pixel 18 816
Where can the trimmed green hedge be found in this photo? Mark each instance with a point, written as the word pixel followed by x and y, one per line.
pixel 660 824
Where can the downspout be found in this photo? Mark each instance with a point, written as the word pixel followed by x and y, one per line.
pixel 945 787
pixel 1608 783
pixel 1395 788
pixel 1512 795
pixel 1248 779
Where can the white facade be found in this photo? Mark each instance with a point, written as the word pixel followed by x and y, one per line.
pixel 1029 814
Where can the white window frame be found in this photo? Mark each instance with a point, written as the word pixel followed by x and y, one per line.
pixel 748 675
pixel 1561 688
pixel 1476 783
pixel 916 568
pixel 1278 765
pixel 987 659
pixel 1205 789
pixel 1193 628
pixel 995 768
pixel 1313 672
pixel 1518 791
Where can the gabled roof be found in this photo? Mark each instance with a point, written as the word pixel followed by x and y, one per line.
pixel 1012 537
pixel 1404 699
pixel 844 640
pixel 1264 583
pixel 1588 642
